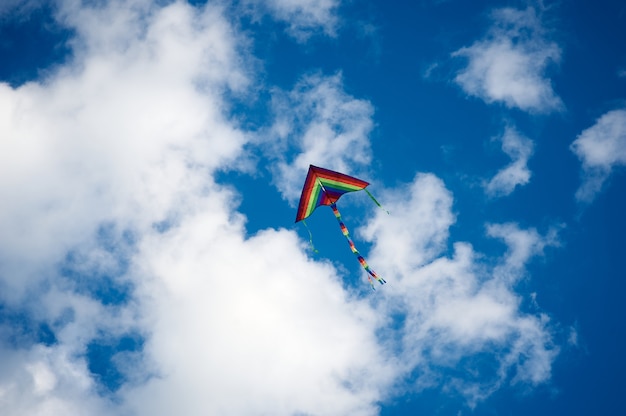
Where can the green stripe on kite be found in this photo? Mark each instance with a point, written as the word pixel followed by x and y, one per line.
pixel 314 196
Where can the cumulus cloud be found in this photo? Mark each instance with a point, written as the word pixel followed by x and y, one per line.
pixel 107 171
pixel 458 305
pixel 509 65
pixel 120 139
pixel 320 124
pixel 600 148
pixel 107 177
pixel 519 149
pixel 46 381
pixel 276 328
pixel 67 168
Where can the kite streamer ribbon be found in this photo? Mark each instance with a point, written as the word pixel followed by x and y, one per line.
pixel 346 233
pixel 375 201
pixel 310 237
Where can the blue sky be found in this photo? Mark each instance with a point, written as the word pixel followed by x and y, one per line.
pixel 151 158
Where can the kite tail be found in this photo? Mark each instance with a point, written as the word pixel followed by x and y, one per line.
pixel 346 233
pixel 375 201
pixel 310 237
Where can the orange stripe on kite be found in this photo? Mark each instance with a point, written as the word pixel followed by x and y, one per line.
pixel 336 184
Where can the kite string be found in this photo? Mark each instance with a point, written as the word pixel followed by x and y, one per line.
pixel 346 233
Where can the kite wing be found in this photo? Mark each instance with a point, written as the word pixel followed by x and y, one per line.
pixel 325 187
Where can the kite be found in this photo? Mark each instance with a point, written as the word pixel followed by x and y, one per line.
pixel 325 187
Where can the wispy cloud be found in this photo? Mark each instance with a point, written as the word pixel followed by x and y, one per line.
pixel 318 123
pixel 302 17
pixel 600 148
pixel 519 149
pixel 509 64
pixel 19 8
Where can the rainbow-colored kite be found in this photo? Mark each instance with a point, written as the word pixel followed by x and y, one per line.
pixel 325 187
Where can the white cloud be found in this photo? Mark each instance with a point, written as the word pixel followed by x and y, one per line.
pixel 522 245
pixel 425 235
pixel 461 306
pixel 255 319
pixel 573 338
pixel 303 17
pixel 67 167
pixel 107 169
pixel 46 381
pixel 324 125
pixel 124 141
pixel 600 148
pixel 519 149
pixel 19 8
pixel 509 65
